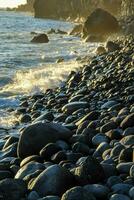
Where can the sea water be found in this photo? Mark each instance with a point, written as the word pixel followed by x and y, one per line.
pixel 27 68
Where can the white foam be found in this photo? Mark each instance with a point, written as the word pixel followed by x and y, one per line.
pixel 40 79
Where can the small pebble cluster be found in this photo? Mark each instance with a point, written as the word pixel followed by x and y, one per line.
pixel 77 140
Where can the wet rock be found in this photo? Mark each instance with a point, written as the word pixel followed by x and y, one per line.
pixel 49 150
pixel 11 189
pixel 29 169
pixel 108 126
pixel 121 188
pixel 126 155
pixel 90 116
pixel 99 138
pixel 131 192
pixel 36 136
pixel 100 22
pixel 77 193
pixel 25 118
pixel 45 116
pixel 128 121
pixel 132 171
pixel 28 159
pixel 119 197
pixel 40 38
pixel 100 50
pixel 124 168
pixel 112 46
pixel 113 180
pixel 50 198
pixel 10 141
pixel 33 196
pixel 55 180
pixel 109 170
pixel 77 30
pixel 99 191
pixel 71 107
pixel 89 171
pixel 79 147
pixel 58 157
pixel 128 140
pixel 108 104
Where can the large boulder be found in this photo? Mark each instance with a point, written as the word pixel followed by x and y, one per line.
pixel 55 180
pixel 100 22
pixel 36 136
pixel 40 38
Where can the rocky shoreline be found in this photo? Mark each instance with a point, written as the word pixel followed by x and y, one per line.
pixel 77 140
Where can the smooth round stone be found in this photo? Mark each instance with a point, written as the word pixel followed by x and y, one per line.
pixel 10 141
pixel 113 134
pixel 58 157
pixel 77 193
pixel 72 107
pixel 108 126
pixel 49 150
pixel 128 121
pixel 121 188
pixel 29 169
pixel 101 148
pixel 132 171
pixel 29 159
pixel 126 155
pixel 128 140
pixel 119 197
pixel 62 144
pixel 108 104
pixel 90 117
pixel 33 196
pixel 80 147
pixel 45 116
pixel 50 198
pixel 128 131
pixel 89 171
pixel 25 118
pixel 99 191
pixel 124 168
pixel 131 192
pixel 113 180
pixel 99 138
pixel 115 152
pixel 34 137
pixel 109 170
pixel 55 180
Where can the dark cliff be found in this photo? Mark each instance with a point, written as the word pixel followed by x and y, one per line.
pixel 26 7
pixel 72 8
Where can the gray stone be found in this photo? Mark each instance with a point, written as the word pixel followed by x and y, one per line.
pixel 36 136
pixel 121 188
pixel 99 191
pixel 119 197
pixel 29 169
pixel 124 168
pixel 55 180
pixel 77 193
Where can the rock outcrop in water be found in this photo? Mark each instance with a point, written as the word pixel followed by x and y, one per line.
pixel 99 23
pixel 81 146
